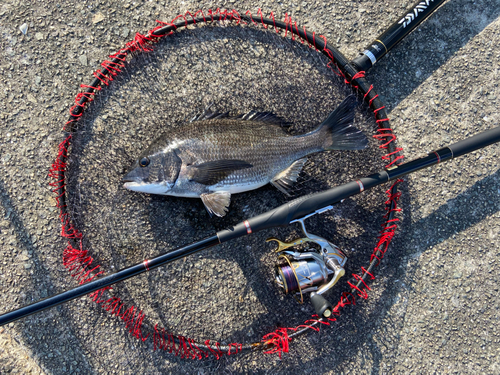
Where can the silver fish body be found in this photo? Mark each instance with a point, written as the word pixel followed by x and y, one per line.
pixel 216 156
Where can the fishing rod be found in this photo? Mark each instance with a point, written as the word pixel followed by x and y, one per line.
pixel 308 271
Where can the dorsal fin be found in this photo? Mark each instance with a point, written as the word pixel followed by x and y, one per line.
pixel 267 117
pixel 207 115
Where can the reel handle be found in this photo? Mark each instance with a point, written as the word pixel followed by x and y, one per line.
pixel 322 307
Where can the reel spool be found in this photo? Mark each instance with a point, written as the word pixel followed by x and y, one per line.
pixel 309 271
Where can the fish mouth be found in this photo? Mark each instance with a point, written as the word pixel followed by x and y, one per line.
pixel 132 182
pixel 134 185
pixel 129 179
pixel 133 176
pixel 145 187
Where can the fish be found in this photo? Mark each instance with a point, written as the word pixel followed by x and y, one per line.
pixel 215 155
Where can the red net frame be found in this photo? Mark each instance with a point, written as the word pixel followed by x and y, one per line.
pixel 80 263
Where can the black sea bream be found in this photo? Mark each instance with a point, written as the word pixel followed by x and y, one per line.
pixel 215 156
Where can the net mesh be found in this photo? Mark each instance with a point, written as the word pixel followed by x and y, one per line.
pixel 226 294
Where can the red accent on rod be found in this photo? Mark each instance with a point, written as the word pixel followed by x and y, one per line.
pixel 247 225
pixel 437 155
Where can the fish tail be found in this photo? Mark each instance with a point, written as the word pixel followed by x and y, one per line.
pixel 337 132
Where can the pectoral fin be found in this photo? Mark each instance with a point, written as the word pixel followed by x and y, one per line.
pixel 284 180
pixel 211 172
pixel 216 203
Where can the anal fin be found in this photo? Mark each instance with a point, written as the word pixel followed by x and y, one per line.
pixel 284 180
pixel 216 203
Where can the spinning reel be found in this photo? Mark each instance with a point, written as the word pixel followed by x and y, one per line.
pixel 309 271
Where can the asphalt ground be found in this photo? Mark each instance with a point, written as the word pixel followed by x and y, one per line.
pixel 433 307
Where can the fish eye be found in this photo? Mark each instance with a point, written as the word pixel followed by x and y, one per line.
pixel 144 162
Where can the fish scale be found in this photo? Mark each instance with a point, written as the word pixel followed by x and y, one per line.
pixel 260 144
pixel 215 155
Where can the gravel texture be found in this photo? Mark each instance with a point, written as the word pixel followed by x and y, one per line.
pixel 434 305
